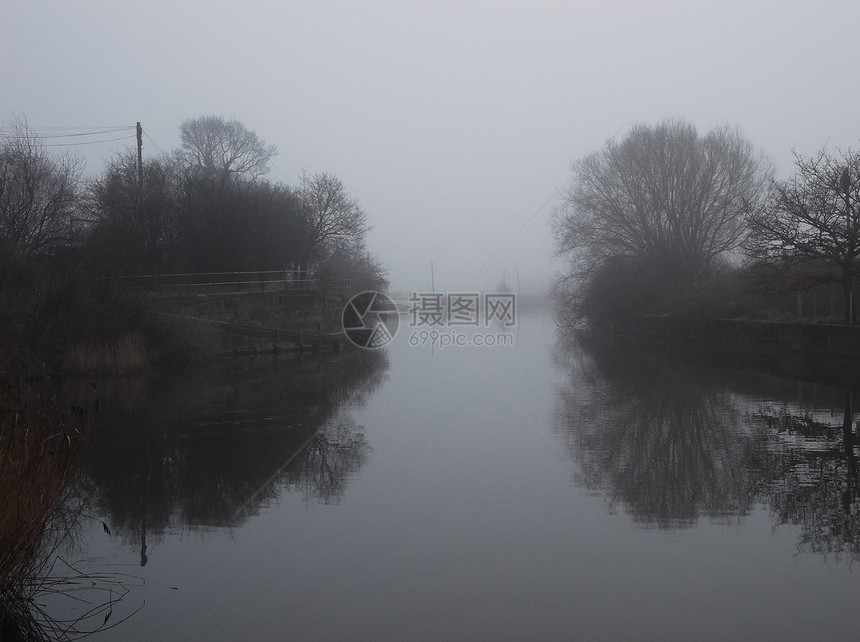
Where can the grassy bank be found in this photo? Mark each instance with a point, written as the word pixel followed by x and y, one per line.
pixel 61 314
pixel 158 342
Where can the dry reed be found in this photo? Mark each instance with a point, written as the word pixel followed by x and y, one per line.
pixel 125 355
pixel 37 453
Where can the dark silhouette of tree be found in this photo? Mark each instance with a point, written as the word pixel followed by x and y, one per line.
pixel 213 222
pixel 333 221
pixel 277 233
pixel 206 208
pixel 665 202
pixel 134 230
pixel 222 149
pixel 38 192
pixel 810 225
pixel 358 267
pixel 229 217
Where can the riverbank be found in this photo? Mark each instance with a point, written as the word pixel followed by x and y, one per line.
pixel 828 350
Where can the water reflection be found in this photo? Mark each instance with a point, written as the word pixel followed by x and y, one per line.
pixel 659 437
pixel 675 438
pixel 810 477
pixel 211 450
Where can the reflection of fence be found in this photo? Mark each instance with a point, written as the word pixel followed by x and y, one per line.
pixel 223 282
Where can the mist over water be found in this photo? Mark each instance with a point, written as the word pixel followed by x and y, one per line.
pixel 500 492
pixel 472 481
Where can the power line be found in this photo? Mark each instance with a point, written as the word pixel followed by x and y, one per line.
pixel 87 142
pixel 57 134
pixel 539 210
pixel 149 138
pixel 13 131
pixel 522 227
pixel 278 169
pixel 89 133
pixel 116 127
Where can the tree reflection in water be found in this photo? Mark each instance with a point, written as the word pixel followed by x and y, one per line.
pixel 810 477
pixel 213 449
pixel 672 439
pixel 336 452
pixel 661 440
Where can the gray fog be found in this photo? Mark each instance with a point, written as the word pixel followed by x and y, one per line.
pixel 453 124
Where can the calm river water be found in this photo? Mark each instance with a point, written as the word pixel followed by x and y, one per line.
pixel 545 490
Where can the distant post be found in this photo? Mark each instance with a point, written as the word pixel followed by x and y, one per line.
pixel 139 162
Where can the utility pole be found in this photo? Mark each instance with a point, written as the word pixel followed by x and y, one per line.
pixel 845 184
pixel 139 162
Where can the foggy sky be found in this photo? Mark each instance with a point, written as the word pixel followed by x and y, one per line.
pixel 454 124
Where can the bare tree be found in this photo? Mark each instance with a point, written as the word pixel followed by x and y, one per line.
pixel 38 191
pixel 223 148
pixel 333 222
pixel 135 230
pixel 812 222
pixel 363 270
pixel 665 200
